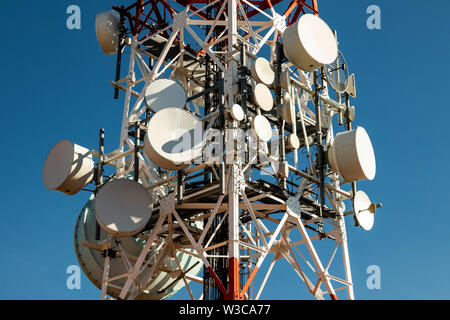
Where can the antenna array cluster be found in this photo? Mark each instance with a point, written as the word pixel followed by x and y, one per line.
pixel 227 155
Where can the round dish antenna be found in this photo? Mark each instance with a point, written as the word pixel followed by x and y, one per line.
pixel 352 156
pixel 262 128
pixel 107 28
pixel 363 213
pixel 337 74
pixel 263 97
pixel 89 251
pixel 293 141
pixel 68 168
pixel 237 113
pixel 262 72
pixel 309 43
pixel 123 207
pixel 169 142
pixel 165 93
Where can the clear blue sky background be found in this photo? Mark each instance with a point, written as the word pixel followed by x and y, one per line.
pixel 54 85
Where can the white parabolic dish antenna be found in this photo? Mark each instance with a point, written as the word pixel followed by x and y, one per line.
pixel 68 168
pixel 309 43
pixel 107 29
pixel 171 141
pixel 123 207
pixel 262 71
pixel 361 206
pixel 262 128
pixel 352 156
pixel 92 261
pixel 165 93
pixel 263 97
pixel 237 113
pixel 293 141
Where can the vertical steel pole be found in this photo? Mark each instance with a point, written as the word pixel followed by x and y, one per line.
pixel 315 7
pixel 233 194
pixel 137 132
pixel 106 266
pixel 346 258
pixel 348 124
pixel 243 79
pixel 233 225
pixel 99 178
pixel 120 46
pixel 130 84
pixel 180 188
pixel 282 122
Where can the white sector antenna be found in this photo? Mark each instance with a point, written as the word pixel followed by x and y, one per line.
pixel 287 109
pixel 351 86
pixel 285 80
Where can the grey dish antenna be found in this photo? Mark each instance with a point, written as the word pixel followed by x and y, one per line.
pixel 337 74
pixel 107 27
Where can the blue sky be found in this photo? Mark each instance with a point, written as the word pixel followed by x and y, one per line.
pixel 54 85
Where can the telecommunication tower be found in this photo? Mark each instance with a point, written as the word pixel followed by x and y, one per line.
pixel 228 157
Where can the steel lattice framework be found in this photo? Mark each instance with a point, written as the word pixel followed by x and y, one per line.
pixel 262 217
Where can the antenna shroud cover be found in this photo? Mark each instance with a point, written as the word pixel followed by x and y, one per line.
pixel 68 168
pixel 262 71
pixel 352 156
pixel 309 43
